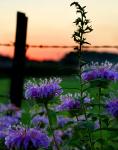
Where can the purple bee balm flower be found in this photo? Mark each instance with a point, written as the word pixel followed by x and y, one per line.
pixel 2 108
pixel 71 102
pixel 32 91
pixel 6 121
pixel 91 75
pixel 58 136
pixel 26 139
pixel 68 103
pixel 96 124
pixel 40 120
pixel 112 108
pixel 81 118
pixel 46 89
pixel 100 73
pixel 63 120
pixel 10 109
pixel 87 100
pixel 13 110
pixel 3 133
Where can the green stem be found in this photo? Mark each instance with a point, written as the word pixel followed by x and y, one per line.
pixel 82 103
pixel 54 138
pixel 99 99
pixel 89 132
pixel 81 91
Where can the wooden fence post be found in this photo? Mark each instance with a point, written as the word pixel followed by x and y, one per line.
pixel 18 66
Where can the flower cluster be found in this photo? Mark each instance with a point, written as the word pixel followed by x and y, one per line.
pixel 73 111
pixel 10 109
pixel 58 136
pixel 112 107
pixel 100 73
pixel 63 121
pixel 26 138
pixel 61 135
pixel 40 121
pixel 5 123
pixel 46 89
pixel 3 132
pixel 71 102
pixel 68 102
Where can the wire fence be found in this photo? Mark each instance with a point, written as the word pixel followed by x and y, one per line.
pixel 59 46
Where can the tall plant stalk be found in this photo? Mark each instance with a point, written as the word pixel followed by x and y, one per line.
pixel 100 122
pixel 51 129
pixel 82 28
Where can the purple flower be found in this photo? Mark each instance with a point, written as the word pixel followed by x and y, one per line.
pixel 87 100
pixel 96 124
pixel 11 110
pixel 46 89
pixel 90 75
pixel 3 133
pixel 63 120
pixel 32 91
pixel 100 73
pixel 81 118
pixel 71 102
pixel 40 121
pixel 58 136
pixel 112 107
pixel 26 138
pixel 12 107
pixel 68 103
pixel 6 121
pixel 2 108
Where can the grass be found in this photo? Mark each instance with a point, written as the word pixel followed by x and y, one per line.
pixel 69 84
pixel 4 85
pixel 4 89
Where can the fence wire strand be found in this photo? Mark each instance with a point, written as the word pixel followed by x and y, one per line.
pixel 58 46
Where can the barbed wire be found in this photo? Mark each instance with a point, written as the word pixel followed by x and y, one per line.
pixel 59 46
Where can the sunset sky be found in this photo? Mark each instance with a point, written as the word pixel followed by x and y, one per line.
pixel 50 23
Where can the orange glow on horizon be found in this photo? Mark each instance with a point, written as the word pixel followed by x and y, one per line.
pixel 56 53
pixel 46 54
pixel 38 54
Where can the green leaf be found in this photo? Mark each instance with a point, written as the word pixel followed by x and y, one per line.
pixel 86 125
pixel 52 118
pixel 26 118
pixel 99 83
